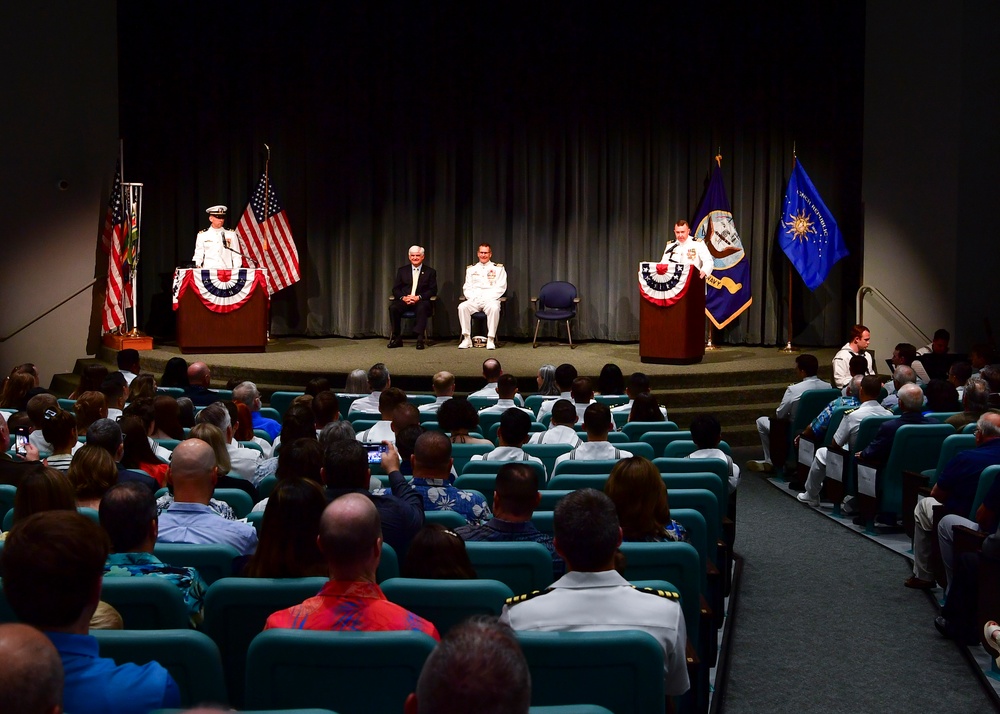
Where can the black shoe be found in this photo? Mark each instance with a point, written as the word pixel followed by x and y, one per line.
pixel 395 342
pixel 420 344
pixel 942 626
pixel 797 485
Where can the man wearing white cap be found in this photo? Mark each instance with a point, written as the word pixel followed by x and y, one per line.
pixel 216 248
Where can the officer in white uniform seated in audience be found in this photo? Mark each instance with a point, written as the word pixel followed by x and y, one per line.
pixel 597 422
pixel 485 284
pixel 512 435
pixel 506 396
pixel 561 429
pixel 443 384
pixel 592 596
pixel 215 247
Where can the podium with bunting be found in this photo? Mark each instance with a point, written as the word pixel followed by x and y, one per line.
pixel 671 314
pixel 221 310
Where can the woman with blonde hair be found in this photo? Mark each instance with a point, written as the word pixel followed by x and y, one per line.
pixel 143 386
pixel 92 473
pixel 89 407
pixel 15 391
pixel 640 497
pixel 212 435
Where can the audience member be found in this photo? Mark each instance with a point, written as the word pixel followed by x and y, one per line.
pixel 857 344
pixel 443 384
pixel 128 515
pixel 43 490
pixel 210 434
pixel 91 378
pixel 321 384
pixel 301 458
pixel 437 553
pixel 806 367
pixel 247 393
pixel 136 452
pixel 871 385
pixel 41 407
pixel 955 489
pixel 941 397
pixel 958 374
pixel 185 412
pixel 900 375
pixel 640 497
pixel 597 422
pixel 506 394
pixel 975 402
pixel 491 373
pixel 15 391
pixel 817 427
pixel 193 473
pixel 706 433
pixel 379 380
pixel 561 428
pixel 432 464
pixel 200 379
pixel 458 417
pixel 52 567
pixel 243 461
pixel 357 383
pixel 142 387
pixel 512 435
pixel 89 407
pixel 478 668
pixel 287 547
pixel 592 596
pixel 646 407
pixel 611 381
pixel 128 364
pixel 298 423
pixel 326 409
pixel 638 384
pixel 59 432
pixel 911 399
pixel 175 374
pixel 388 400
pixel 515 498
pixel 564 376
pixel 546 380
pixel 92 473
pixel 115 392
pixel 346 471
pixel 242 420
pixel 31 680
pixel 13 469
pixel 582 394
pixel 350 539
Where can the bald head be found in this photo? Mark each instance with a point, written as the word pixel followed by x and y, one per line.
pixel 31 679
pixel 911 398
pixel 432 455
pixel 350 536
pixel 199 374
pixel 193 471
pixel 443 384
pixel 492 370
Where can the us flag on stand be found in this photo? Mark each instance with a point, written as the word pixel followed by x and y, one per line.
pixel 112 242
pixel 268 238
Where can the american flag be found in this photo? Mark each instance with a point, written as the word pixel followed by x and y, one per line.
pixel 268 238
pixel 112 242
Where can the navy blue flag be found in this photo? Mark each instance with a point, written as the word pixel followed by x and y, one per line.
pixel 728 287
pixel 808 233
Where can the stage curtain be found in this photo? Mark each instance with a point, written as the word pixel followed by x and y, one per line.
pixel 569 138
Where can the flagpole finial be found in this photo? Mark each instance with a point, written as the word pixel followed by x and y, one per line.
pixel 718 159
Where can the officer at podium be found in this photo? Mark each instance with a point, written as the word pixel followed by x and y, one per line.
pixel 688 251
pixel 215 247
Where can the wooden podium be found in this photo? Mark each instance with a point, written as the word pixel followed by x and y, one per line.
pixel 674 334
pixel 204 330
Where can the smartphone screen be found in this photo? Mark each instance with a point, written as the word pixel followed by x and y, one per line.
pixel 21 444
pixel 375 452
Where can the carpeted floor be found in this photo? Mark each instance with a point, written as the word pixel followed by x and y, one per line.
pixel 824 623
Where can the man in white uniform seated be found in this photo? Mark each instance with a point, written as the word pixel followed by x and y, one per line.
pixel 561 429
pixel 592 596
pixel 216 248
pixel 485 284
pixel 443 385
pixel 597 422
pixel 506 393
pixel 512 435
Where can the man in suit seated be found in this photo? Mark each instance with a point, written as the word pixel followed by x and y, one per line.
pixel 413 288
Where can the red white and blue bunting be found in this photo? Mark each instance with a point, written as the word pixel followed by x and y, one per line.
pixel 663 284
pixel 219 290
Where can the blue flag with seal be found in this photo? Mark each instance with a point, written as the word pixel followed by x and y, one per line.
pixel 728 287
pixel 809 234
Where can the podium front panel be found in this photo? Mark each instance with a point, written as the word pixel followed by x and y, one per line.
pixel 674 334
pixel 201 330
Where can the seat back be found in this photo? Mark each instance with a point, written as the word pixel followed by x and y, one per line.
pixel 419 400
pixel 678 563
pixel 583 466
pixel 681 448
pixel 348 672
pixel 237 498
pixel 486 423
pixel 523 566
pixel 191 658
pixel 620 670
pixel 447 602
pixel 388 564
pixel 168 444
pixel 986 479
pixel 707 481
pixel 915 447
pixel 703 502
pixel 836 417
pixel 548 453
pixel 951 446
pixel 463 453
pixel 211 561
pixel 7 494
pixel 280 401
pixel 680 466
pixel 344 402
pixel 550 497
pixel 481 403
pixel 635 429
pixel 146 602
pixel 659 440
pixel 576 481
pixel 535 401
pixel 556 295
pixel 269 413
pixel 236 610
pixel 266 486
pixel 940 416
pixel 544 521
pixel 810 404
pixel 261 434
pixel 175 392
pixel 449 519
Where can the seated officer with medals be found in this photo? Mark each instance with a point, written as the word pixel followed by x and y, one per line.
pixel 485 284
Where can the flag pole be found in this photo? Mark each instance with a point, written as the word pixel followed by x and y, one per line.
pixel 788 348
pixel 709 346
pixel 267 232
pixel 135 214
pixel 121 329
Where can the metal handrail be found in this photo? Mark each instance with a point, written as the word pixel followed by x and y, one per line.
pixel 55 307
pixel 864 290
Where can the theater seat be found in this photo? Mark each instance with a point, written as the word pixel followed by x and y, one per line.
pixel 447 602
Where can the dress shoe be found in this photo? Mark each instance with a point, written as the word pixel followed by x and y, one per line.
pixel 918 583
pixel 808 500
pixel 420 344
pixel 466 343
pixel 941 625
pixel 760 466
pixel 489 344
pixel 395 342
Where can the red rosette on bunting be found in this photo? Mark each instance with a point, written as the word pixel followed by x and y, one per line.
pixel 663 284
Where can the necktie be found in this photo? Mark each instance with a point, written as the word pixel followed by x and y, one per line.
pixel 416 276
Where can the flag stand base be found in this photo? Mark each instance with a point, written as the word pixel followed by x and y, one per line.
pixel 127 341
pixel 789 350
pixel 709 347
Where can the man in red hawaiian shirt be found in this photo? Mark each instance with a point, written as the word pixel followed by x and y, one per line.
pixel 350 536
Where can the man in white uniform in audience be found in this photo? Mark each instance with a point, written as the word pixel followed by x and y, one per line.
pixel 597 422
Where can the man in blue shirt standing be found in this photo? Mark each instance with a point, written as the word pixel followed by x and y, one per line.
pixel 52 567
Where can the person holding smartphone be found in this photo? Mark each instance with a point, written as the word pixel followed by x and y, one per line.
pixel 13 468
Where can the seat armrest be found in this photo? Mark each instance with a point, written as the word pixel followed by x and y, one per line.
pixel 968 540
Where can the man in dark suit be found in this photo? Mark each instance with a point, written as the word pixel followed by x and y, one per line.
pixel 413 289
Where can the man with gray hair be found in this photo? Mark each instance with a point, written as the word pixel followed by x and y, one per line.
pixel 248 394
pixel 379 380
pixel 477 668
pixel 413 288
pixel 243 461
pixel 900 375
pixel 31 679
pixel 975 403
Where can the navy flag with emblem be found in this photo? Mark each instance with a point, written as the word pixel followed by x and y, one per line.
pixel 808 232
pixel 728 287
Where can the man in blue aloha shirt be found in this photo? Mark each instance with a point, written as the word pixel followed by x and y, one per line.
pixel 128 514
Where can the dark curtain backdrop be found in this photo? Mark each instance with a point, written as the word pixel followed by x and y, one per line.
pixel 570 136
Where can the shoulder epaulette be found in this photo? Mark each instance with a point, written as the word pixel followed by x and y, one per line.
pixel 499 265
pixel 668 594
pixel 203 230
pixel 471 265
pixel 527 596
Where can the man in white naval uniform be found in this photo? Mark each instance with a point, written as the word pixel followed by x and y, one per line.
pixel 592 596
pixel 485 284
pixel 856 345
pixel 688 251
pixel 216 248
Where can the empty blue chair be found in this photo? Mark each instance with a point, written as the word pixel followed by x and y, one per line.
pixel 556 301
